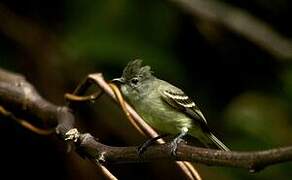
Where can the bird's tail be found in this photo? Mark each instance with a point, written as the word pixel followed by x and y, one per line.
pixel 218 143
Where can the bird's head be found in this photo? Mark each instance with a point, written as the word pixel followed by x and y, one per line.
pixel 134 77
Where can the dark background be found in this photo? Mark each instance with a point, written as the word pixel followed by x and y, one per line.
pixel 244 90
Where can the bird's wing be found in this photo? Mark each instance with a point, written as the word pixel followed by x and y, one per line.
pixel 179 100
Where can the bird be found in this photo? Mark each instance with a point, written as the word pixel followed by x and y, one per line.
pixel 164 106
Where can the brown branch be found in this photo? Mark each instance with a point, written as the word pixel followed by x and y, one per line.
pixel 20 97
pixel 253 161
pixel 241 22
pixel 23 99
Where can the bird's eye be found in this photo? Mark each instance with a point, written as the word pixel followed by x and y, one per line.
pixel 134 81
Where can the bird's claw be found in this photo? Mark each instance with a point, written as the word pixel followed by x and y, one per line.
pixel 174 144
pixel 142 148
pixel 178 140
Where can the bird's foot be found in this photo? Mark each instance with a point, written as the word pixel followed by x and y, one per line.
pixel 142 148
pixel 174 144
pixel 178 139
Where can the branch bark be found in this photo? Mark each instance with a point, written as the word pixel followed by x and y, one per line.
pixel 253 161
pixel 19 97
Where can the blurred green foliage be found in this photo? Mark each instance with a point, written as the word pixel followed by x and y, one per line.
pixel 116 31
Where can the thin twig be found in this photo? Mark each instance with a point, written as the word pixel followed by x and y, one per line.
pixel 91 97
pixel 25 123
pixel 124 108
pixel 191 169
pixel 104 170
pixel 107 173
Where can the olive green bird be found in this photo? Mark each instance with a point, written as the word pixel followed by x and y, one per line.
pixel 163 106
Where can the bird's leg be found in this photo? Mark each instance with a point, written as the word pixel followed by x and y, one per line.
pixel 148 143
pixel 177 140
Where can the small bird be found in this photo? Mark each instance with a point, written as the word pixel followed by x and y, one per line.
pixel 163 106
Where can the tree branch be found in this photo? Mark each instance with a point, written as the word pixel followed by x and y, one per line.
pixel 253 161
pixel 241 22
pixel 19 97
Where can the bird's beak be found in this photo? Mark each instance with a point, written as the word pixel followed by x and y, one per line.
pixel 118 81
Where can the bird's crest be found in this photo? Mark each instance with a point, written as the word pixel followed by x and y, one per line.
pixel 135 68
